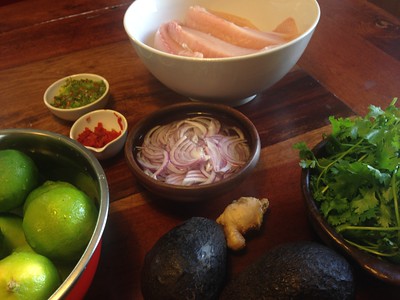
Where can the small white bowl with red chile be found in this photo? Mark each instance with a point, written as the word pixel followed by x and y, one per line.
pixel 220 51
pixel 192 151
pixel 102 131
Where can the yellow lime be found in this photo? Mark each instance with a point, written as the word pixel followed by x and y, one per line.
pixel 27 275
pixel 18 176
pixel 59 220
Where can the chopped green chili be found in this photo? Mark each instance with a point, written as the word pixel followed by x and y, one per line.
pixel 79 92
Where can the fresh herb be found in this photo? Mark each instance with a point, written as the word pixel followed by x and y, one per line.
pixel 79 92
pixel 356 182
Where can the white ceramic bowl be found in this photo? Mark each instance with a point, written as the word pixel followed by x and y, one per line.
pixel 110 120
pixel 71 114
pixel 232 81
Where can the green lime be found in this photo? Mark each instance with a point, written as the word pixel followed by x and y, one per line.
pixel 13 234
pixel 59 220
pixel 43 189
pixel 18 176
pixel 27 275
pixel 3 248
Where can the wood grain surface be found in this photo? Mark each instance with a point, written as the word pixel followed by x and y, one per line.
pixel 351 62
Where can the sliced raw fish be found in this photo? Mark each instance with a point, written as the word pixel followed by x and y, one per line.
pixel 200 19
pixel 200 42
pixel 164 42
pixel 234 19
pixel 288 27
pixel 211 34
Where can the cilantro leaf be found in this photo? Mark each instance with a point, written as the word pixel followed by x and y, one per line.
pixel 356 183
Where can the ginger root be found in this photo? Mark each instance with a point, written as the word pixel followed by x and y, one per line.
pixel 240 216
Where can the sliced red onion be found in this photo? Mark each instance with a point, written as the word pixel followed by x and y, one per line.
pixel 194 151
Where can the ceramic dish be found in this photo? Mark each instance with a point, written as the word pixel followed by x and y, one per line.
pixel 182 111
pixel 71 114
pixel 383 270
pixel 228 80
pixel 109 120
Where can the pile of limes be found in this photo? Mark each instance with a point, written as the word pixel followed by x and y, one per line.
pixel 44 228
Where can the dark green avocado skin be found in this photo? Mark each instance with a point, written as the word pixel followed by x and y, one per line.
pixel 188 262
pixel 299 270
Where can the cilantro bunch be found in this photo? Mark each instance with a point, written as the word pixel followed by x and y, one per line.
pixel 356 180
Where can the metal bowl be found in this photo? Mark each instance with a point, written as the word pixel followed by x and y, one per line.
pixel 61 158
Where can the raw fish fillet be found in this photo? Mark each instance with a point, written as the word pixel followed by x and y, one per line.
pixel 199 42
pixel 234 19
pixel 201 19
pixel 164 42
pixel 208 34
pixel 289 28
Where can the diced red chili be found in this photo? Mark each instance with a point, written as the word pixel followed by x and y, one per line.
pixel 99 137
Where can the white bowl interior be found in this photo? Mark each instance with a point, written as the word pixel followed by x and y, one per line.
pixel 143 17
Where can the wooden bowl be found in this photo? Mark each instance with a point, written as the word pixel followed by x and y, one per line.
pixel 181 111
pixel 383 270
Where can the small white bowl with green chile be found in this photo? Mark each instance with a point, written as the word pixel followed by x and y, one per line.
pixel 93 95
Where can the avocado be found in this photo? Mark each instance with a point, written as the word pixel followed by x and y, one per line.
pixel 298 270
pixel 188 262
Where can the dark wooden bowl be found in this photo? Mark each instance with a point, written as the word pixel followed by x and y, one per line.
pixel 383 270
pixel 180 111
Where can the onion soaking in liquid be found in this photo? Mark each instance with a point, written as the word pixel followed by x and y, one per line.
pixel 194 151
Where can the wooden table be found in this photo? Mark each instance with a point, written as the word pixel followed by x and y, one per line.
pixel 351 62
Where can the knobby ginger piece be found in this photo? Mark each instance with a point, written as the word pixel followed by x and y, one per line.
pixel 240 216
